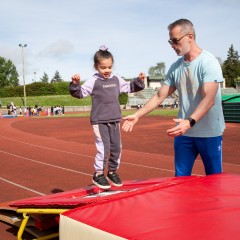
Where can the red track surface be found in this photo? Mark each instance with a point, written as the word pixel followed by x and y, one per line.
pixel 49 155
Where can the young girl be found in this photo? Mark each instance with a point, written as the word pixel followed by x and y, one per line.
pixel 105 88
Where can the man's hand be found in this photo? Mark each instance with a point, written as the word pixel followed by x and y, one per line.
pixel 76 78
pixel 180 129
pixel 131 120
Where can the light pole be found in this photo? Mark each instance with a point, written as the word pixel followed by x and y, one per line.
pixel 34 76
pixel 24 86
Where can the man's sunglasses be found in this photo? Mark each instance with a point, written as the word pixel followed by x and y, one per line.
pixel 175 41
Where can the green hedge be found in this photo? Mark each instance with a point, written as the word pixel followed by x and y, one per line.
pixel 45 94
pixel 36 89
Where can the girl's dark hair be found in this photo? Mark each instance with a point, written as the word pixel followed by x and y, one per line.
pixel 101 54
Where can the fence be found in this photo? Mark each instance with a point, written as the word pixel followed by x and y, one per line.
pixel 231 111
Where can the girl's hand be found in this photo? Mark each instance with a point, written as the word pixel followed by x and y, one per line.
pixel 142 76
pixel 76 78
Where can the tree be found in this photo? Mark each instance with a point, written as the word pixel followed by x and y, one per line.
pixel 8 74
pixel 123 98
pixel 45 78
pixel 56 78
pixel 231 67
pixel 157 71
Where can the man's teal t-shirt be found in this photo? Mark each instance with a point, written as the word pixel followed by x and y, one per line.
pixel 188 79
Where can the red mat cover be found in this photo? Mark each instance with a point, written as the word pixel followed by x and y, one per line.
pixel 196 208
pixel 92 194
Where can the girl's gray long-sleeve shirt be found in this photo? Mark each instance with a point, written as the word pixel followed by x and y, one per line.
pixel 105 93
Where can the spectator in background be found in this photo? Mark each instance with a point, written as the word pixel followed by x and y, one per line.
pixel 13 109
pixel 20 110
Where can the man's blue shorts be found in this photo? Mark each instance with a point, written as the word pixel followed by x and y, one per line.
pixel 187 149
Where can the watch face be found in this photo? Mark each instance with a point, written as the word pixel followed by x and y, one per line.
pixel 192 121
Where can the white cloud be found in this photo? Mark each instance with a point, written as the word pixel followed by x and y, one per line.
pixel 57 49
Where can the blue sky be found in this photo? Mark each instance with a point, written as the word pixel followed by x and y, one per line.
pixel 63 35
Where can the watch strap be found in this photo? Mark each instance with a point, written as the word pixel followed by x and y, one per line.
pixel 192 121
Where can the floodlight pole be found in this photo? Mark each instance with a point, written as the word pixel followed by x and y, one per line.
pixel 24 85
pixel 34 76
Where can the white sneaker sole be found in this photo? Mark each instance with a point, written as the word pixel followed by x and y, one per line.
pixel 114 184
pixel 100 186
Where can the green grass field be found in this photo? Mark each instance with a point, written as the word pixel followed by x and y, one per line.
pixel 68 100
pixel 55 100
pixel 156 112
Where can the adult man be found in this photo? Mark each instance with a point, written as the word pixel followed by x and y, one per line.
pixel 200 123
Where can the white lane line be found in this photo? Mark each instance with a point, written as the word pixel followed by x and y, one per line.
pixel 46 147
pixel 47 164
pixel 163 169
pixel 67 169
pixel 21 186
pixel 92 145
pixel 138 165
pixel 79 154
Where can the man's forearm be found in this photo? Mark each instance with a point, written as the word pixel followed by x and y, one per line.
pixel 152 104
pixel 209 93
pixel 204 106
pixel 155 101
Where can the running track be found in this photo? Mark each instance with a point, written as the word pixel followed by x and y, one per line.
pixel 41 156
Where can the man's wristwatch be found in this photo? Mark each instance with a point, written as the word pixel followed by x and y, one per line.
pixel 192 121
